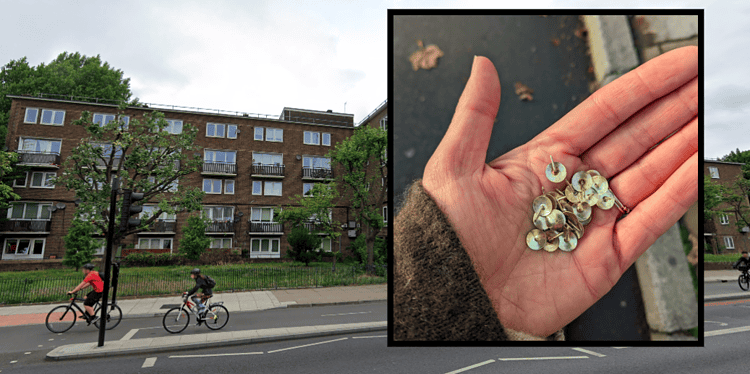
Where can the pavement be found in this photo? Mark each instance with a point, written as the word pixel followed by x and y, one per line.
pixel 718 276
pixel 233 301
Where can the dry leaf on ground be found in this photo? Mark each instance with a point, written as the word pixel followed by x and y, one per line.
pixel 524 92
pixel 425 58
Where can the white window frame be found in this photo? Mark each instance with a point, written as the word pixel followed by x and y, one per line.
pixel 222 241
pixel 101 249
pixel 25 180
pixel 126 121
pixel 26 115
pixel 104 121
pixel 729 242
pixel 54 115
pixel 312 162
pixel 21 144
pixel 323 247
pixel 312 141
pixel 42 206
pixel 236 131
pixel 213 158
pixel 724 219
pixel 281 158
pixel 170 128
pixel 323 139
pixel 148 209
pixel 714 171
pixel 258 135
pixel 45 179
pixel 383 122
pixel 261 209
pixel 226 185
pixel 259 183
pixel 265 188
pixel 275 131
pixel 161 242
pixel 223 219
pixel 265 254
pixel 216 126
pixel 23 256
pixel 385 215
pixel 305 193
pixel 213 184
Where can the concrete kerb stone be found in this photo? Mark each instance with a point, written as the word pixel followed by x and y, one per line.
pixel 213 340
pixel 612 48
pixel 726 297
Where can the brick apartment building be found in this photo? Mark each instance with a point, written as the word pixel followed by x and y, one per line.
pixel 722 232
pixel 252 164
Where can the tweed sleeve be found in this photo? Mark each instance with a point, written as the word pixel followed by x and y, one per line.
pixel 437 294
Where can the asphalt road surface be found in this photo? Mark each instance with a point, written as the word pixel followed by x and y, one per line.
pixel 719 288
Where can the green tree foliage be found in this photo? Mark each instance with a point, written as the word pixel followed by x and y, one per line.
pixel 363 160
pixel 7 174
pixel 304 246
pixel 742 157
pixel 712 197
pixel 144 156
pixel 80 246
pixel 359 247
pixel 194 240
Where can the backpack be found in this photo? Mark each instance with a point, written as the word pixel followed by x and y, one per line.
pixel 210 281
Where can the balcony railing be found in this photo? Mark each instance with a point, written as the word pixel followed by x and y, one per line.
pixel 312 226
pixel 266 227
pixel 317 173
pixel 33 157
pixel 25 226
pixel 268 170
pixel 219 168
pixel 220 227
pixel 162 226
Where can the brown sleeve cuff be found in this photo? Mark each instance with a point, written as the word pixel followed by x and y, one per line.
pixel 437 293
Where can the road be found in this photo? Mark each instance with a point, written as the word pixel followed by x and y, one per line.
pixel 720 288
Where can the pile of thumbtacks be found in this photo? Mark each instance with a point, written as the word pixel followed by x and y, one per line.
pixel 560 216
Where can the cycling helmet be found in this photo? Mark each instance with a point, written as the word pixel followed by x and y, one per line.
pixel 195 271
pixel 89 266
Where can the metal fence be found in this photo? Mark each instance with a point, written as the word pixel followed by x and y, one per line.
pixel 171 282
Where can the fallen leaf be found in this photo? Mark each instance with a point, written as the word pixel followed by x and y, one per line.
pixel 524 92
pixel 426 57
pixel 581 32
pixel 556 42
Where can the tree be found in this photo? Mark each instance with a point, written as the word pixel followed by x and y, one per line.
pixel 7 174
pixel 712 193
pixel 80 247
pixel 304 245
pixel 146 158
pixel 194 240
pixel 363 160
pixel 313 215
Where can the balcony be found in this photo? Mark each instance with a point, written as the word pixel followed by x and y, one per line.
pixel 272 171
pixel 39 159
pixel 176 165
pixel 317 173
pixel 220 227
pixel 313 226
pixel 161 227
pixel 213 168
pixel 266 228
pixel 30 226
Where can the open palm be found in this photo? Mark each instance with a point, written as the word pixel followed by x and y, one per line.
pixel 616 132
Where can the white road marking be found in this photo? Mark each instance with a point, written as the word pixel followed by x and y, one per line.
pixel 307 345
pixel 721 323
pixel 218 354
pixel 589 352
pixel 471 367
pixel 129 334
pixel 27 353
pixel 343 314
pixel 726 331
pixel 620 347
pixel 149 362
pixel 541 358
pixel 13 362
pixel 40 346
pixel 51 339
pixel 365 337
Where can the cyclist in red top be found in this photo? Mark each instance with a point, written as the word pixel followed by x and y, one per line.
pixel 92 279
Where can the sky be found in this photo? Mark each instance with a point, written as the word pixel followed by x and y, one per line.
pixel 260 56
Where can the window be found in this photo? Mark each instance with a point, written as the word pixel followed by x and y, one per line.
pixel 215 130
pixel 257 188
pixel 385 215
pixel 102 246
pixel 384 123
pixel 125 122
pixel 273 188
pixel 52 117
pixel 325 244
pixel 724 219
pixel 274 135
pixel 306 188
pixel 24 246
pixel 326 139
pixel 150 210
pixel 31 115
pixel 29 211
pixel 174 126
pixel 172 186
pixel 155 243
pixel 221 243
pixel 39 145
pixel 312 138
pixel 261 247
pixel 729 242
pixel 42 180
pixel 219 213
pixel 212 186
pixel 103 119
pixel 714 172
pixel 21 182
pixel 261 215
pixel 313 162
pixel 267 158
pixel 219 157
pixel 229 187
pixel 258 133
pixel 232 131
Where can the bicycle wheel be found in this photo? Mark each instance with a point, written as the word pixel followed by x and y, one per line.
pixel 114 316
pixel 217 317
pixel 61 319
pixel 176 320
pixel 744 282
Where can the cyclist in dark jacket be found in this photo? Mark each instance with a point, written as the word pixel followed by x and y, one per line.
pixel 743 262
pixel 200 283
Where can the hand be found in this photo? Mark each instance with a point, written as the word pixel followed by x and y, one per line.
pixel 489 205
pixel 70 292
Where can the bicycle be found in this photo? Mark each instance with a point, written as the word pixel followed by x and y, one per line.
pixel 744 279
pixel 177 319
pixel 62 318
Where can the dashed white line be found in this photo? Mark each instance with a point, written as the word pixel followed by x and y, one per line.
pixel 307 345
pixel 589 352
pixel 343 314
pixel 129 334
pixel 149 362
pixel 720 323
pixel 620 347
pixel 541 358
pixel 27 353
pixel 726 331
pixel 373 336
pixel 218 354
pixel 470 367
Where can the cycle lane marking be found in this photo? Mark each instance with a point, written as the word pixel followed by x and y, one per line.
pixel 217 355
pixel 589 352
pixel 307 345
pixel 726 331
pixel 149 362
pixel 129 334
pixel 461 370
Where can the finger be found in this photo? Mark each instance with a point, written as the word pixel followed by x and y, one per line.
pixel 643 130
pixel 644 177
pixel 657 213
pixel 611 105
pixel 464 146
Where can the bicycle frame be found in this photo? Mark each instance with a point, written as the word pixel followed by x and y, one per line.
pixel 73 304
pixel 190 305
